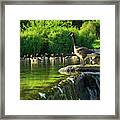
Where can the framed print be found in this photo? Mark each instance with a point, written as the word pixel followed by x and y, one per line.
pixel 59 59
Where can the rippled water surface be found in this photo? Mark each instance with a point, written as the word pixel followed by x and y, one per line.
pixel 39 76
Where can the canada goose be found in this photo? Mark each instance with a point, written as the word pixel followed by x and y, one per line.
pixel 52 57
pixel 62 58
pixel 34 60
pixel 46 56
pixel 81 52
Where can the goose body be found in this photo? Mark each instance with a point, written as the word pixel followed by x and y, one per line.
pixel 81 52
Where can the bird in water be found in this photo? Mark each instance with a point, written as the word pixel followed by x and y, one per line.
pixel 81 52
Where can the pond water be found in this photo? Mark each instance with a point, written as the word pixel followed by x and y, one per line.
pixel 41 75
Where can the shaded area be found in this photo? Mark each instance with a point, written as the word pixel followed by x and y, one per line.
pixel 84 86
pixel 41 76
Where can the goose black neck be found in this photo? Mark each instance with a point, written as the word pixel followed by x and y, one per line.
pixel 73 38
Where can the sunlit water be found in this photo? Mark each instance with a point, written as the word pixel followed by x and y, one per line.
pixel 39 76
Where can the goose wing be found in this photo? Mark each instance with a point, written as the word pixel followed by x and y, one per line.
pixel 84 50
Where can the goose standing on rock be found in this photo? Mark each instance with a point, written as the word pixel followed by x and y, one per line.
pixel 81 52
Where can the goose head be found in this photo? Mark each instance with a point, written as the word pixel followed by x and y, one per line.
pixel 71 34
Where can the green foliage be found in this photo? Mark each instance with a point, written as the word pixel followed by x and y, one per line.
pixel 96 44
pixel 88 34
pixel 52 36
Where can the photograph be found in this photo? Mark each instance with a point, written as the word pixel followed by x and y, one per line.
pixel 57 56
pixel 59 59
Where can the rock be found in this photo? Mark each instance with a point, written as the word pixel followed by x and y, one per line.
pixel 74 69
pixel 83 86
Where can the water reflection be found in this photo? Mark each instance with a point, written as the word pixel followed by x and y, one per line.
pixel 37 74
